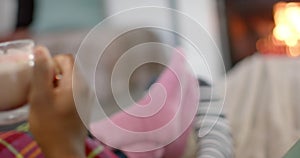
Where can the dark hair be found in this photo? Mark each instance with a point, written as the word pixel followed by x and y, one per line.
pixel 25 13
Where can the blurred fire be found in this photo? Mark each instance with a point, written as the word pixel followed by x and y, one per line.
pixel 285 37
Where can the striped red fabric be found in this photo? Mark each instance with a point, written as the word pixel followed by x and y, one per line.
pixel 16 144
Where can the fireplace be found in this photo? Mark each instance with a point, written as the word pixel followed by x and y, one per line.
pixel 265 26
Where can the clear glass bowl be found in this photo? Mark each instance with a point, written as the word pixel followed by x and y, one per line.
pixel 16 62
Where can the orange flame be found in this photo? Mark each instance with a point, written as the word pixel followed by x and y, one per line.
pixel 287 26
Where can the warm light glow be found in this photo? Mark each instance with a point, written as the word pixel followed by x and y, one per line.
pixel 282 32
pixel 287 21
pixel 291 42
pixel 294 51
